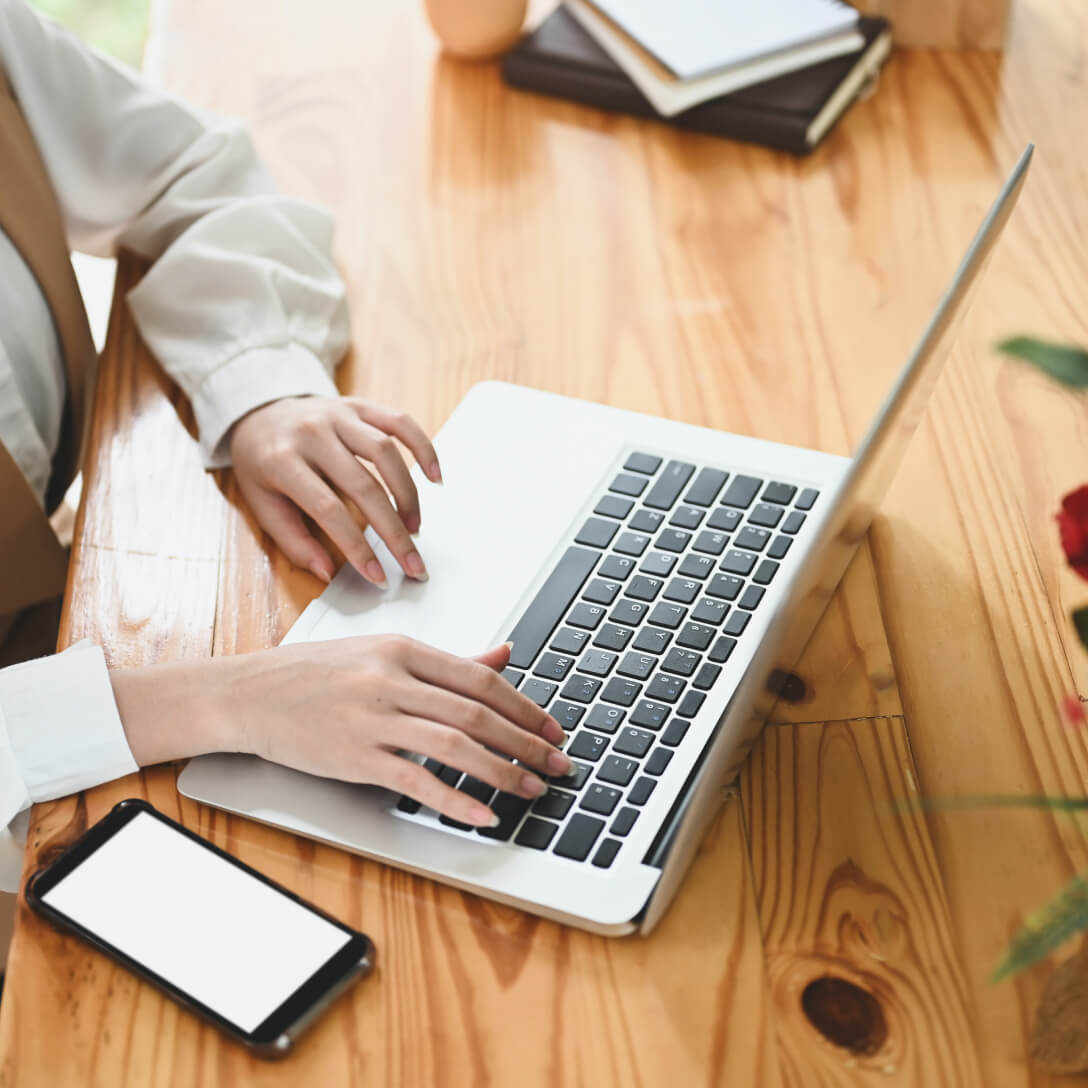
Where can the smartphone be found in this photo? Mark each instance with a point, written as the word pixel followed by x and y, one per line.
pixel 221 939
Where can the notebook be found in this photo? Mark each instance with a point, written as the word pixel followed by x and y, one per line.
pixel 792 112
pixel 670 94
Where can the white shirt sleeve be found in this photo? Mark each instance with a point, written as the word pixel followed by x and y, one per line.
pixel 59 733
pixel 243 304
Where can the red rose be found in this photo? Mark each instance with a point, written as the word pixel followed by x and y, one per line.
pixel 1073 527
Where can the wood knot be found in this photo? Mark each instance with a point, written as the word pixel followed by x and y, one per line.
pixel 845 1014
pixel 787 686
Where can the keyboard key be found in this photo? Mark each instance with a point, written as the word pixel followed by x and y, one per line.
pixel 658 563
pixel 579 836
pixel 741 491
pixel 633 544
pixel 725 587
pixel 409 805
pixel 568 715
pixel 617 770
pixel 553 666
pixel 765 572
pixel 710 542
pixel 569 641
pixel 726 519
pixel 687 517
pixel 653 640
pixel 722 649
pixel 696 566
pixel 540 691
pixel 807 498
pixel 793 522
pixel 597 533
pixel 509 808
pixel 624 821
pixel 707 675
pixel 536 833
pixel 706 487
pixel 681 662
pixel 573 781
pixel 646 521
pixel 629 612
pixel 672 540
pixel 623 692
pixel 765 514
pixel 634 742
pixel 675 732
pixel 601 592
pixel 447 775
pixel 642 462
pixel 554 805
pixel 512 676
pixel 641 791
pixel 666 688
pixel 737 622
pixel 780 493
pixel 616 566
pixel 637 666
pixel 658 761
pixel 683 590
pixel 606 853
pixel 651 715
pixel 695 636
pixel 587 745
pixel 600 799
pixel 553 599
pixel 581 689
pixel 778 549
pixel 611 637
pixel 586 615
pixel 669 484
pixel 597 662
pixel 737 562
pixel 752 538
pixel 689 705
pixel 751 597
pixel 644 588
pixel 614 506
pixel 606 719
pixel 709 611
pixel 668 615
pixel 626 484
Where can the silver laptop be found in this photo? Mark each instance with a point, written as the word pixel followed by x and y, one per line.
pixel 658 581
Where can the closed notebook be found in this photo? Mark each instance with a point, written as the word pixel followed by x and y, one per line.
pixel 791 112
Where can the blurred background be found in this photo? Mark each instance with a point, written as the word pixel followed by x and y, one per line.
pixel 117 26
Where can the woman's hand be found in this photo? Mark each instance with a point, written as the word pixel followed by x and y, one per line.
pixel 344 709
pixel 288 453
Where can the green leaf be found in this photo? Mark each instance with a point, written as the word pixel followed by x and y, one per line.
pixel 1063 363
pixel 1003 800
pixel 1080 622
pixel 1047 928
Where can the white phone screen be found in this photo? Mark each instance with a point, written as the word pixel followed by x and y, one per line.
pixel 212 930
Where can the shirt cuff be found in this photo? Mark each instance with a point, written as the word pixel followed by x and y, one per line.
pixel 250 380
pixel 60 722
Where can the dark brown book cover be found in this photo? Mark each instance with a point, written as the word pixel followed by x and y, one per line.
pixel 559 58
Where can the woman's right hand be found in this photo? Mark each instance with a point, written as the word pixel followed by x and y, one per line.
pixel 344 709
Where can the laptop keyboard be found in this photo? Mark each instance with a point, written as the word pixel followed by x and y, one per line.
pixel 626 637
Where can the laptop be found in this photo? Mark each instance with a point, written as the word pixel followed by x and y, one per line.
pixel 658 581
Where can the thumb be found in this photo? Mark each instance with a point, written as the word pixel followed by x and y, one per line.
pixel 496 659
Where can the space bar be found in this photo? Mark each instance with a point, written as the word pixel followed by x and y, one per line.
pixel 549 604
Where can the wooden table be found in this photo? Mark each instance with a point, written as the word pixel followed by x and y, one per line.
pixel 490 234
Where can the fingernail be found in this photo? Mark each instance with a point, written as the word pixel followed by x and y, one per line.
pixel 319 572
pixel 484 817
pixel 532 785
pixel 434 473
pixel 553 732
pixel 412 523
pixel 509 645
pixel 374 572
pixel 414 565
pixel 559 763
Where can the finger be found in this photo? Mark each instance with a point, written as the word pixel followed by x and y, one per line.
pixel 408 777
pixel 404 427
pixel 279 517
pixel 320 502
pixel 451 746
pixel 345 471
pixel 497 658
pixel 378 448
